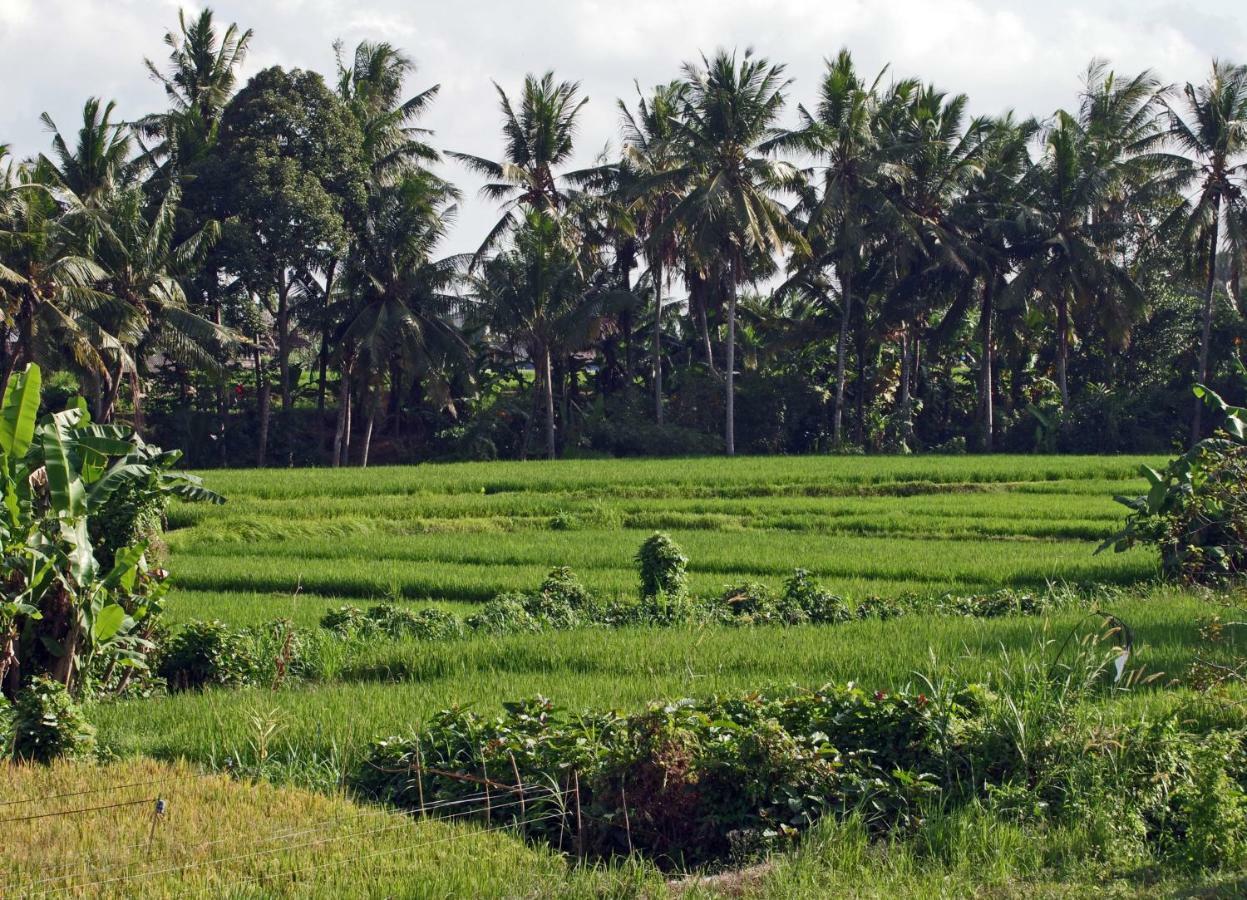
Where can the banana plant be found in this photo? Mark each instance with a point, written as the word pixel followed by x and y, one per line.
pixel 58 608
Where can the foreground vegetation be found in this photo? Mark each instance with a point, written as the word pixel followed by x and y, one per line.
pixel 660 728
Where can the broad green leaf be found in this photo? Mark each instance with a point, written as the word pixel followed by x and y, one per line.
pixel 108 622
pixel 18 412
pixel 60 456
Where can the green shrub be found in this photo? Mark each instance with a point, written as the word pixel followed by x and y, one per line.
pixel 1195 513
pixel 206 654
pixel 505 614
pixel 48 724
pixel 562 584
pixel 564 521
pixel 661 564
pixel 433 624
pixel 819 606
pixel 345 620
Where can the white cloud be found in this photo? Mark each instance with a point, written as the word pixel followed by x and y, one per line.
pixel 1003 53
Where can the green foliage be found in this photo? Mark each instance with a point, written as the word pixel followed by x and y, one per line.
pixel 661 564
pixel 207 654
pixel 48 724
pixel 505 614
pixel 818 605
pixel 1195 512
pixel 71 595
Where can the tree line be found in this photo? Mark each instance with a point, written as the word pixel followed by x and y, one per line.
pixel 880 272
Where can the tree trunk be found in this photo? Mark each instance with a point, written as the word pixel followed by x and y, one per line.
pixel 859 399
pixel 373 401
pixel 283 341
pixel 729 431
pixel 703 325
pixel 1205 338
pixel 112 387
pixel 986 406
pixel 842 346
pixel 136 400
pixel 548 379
pixel 263 393
pixel 657 271
pixel 1062 348
pixel 906 393
pixel 323 355
pixel 222 389
pixel 344 402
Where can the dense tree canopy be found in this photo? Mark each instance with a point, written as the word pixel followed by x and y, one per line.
pixel 750 268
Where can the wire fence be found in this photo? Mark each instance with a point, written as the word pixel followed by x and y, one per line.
pixel 520 806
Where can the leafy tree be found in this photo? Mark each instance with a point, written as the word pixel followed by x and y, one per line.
pixel 290 168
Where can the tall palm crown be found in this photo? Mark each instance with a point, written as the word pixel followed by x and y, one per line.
pixel 201 75
pixel 1209 130
pixel 846 195
pixel 372 86
pixel 404 316
pixel 650 154
pixel 539 137
pixel 99 162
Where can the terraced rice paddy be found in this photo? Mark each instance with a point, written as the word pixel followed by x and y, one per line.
pixel 295 542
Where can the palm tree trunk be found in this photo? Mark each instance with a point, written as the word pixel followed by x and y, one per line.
pixel 344 402
pixel 729 431
pixel 283 342
pixel 842 345
pixel 136 400
pixel 859 399
pixel 1205 339
pixel 263 407
pixel 1062 347
pixel 906 346
pixel 323 355
pixel 548 384
pixel 657 270
pixel 985 368
pixel 373 400
pixel 222 389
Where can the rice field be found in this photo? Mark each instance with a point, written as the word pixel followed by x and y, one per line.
pixel 296 541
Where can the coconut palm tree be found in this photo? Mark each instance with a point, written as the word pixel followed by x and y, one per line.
pixel 851 160
pixel 729 210
pixel 372 86
pixel 539 138
pixel 537 297
pixel 51 291
pixel 649 156
pixel 144 256
pixel 1209 128
pixel 1072 215
pixel 402 321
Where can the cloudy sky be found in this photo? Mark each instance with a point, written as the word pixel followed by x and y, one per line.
pixel 1020 54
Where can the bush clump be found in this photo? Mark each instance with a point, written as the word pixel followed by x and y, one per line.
pixel 662 566
pixel 207 654
pixel 1195 512
pixel 47 724
pixel 505 614
pixel 819 606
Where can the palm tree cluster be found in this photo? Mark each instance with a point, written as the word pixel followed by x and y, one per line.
pixel 877 269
